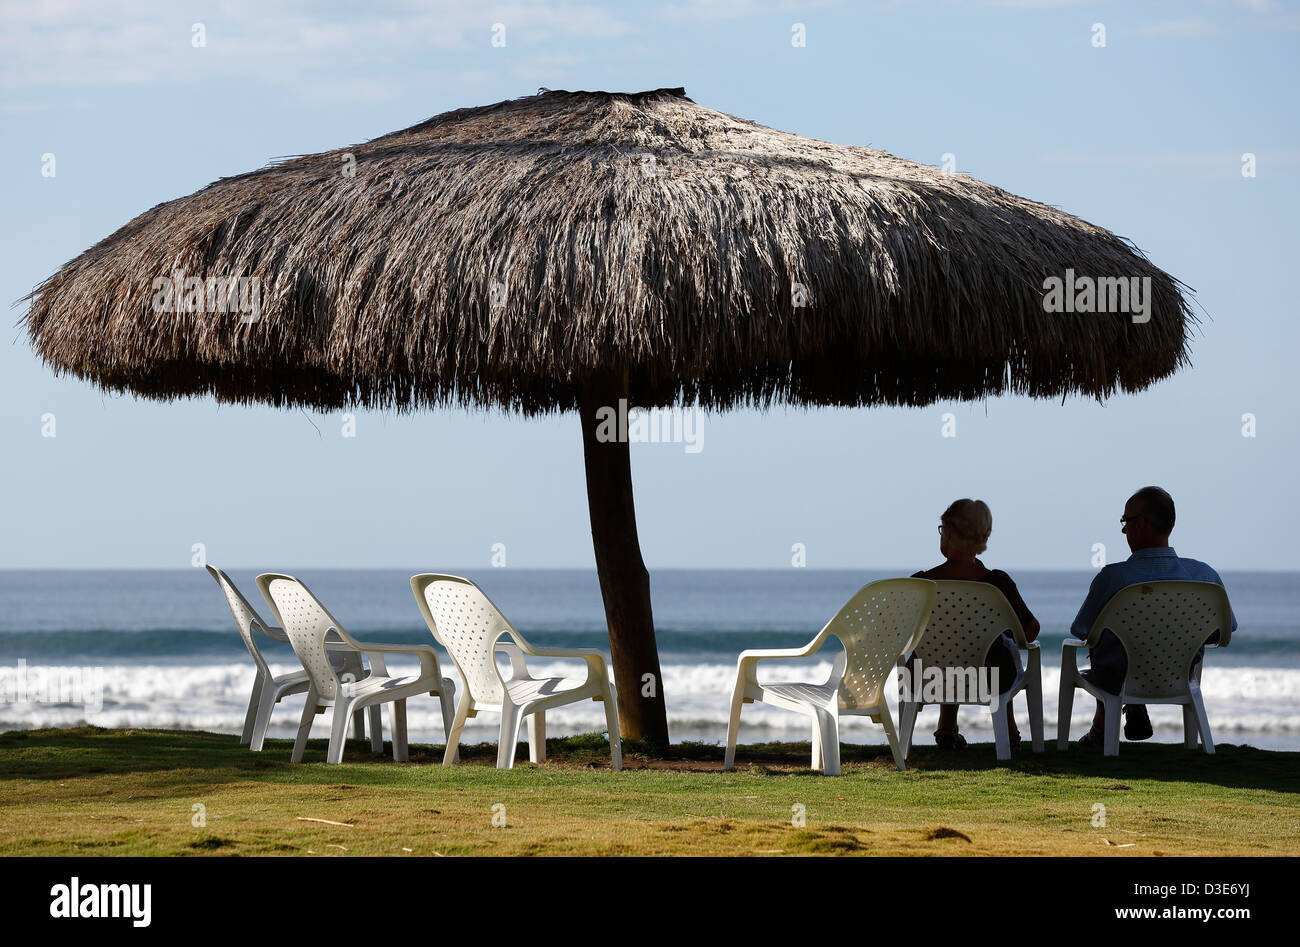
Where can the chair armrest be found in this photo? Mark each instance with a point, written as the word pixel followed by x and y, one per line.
pixel 332 640
pixel 1073 643
pixel 388 648
pixel 594 658
pixel 1034 659
pixel 274 632
pixel 763 654
pixel 584 654
pixel 518 667
pixel 837 668
pixel 380 648
pixel 536 652
pixel 747 662
pixel 376 650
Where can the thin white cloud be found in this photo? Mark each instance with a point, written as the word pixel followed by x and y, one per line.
pixel 555 67
pixel 1032 3
pixel 89 42
pixel 1187 26
pixel 736 9
pixel 1217 161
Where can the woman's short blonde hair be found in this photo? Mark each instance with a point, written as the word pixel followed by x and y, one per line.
pixel 968 524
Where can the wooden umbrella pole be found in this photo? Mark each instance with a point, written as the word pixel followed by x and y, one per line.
pixel 624 581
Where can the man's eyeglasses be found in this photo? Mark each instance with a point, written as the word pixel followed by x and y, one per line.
pixel 1125 520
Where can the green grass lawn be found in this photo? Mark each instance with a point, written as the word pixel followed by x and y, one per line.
pixel 90 791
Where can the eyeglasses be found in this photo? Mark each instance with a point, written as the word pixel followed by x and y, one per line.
pixel 940 527
pixel 1125 520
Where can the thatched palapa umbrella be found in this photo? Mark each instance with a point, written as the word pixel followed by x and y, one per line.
pixel 570 249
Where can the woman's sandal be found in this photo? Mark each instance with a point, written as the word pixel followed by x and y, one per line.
pixel 949 741
pixel 1091 739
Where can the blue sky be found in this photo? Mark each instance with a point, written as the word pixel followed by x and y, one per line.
pixel 1143 136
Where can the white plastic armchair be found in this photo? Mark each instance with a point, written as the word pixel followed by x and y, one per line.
pixel 467 623
pixel 308 624
pixel 269 689
pixel 1161 625
pixel 968 619
pixel 882 622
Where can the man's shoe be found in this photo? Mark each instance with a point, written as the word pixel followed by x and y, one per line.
pixel 1137 722
pixel 949 741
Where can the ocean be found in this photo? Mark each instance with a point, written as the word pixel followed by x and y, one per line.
pixel 162 650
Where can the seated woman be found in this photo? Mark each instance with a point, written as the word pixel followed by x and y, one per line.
pixel 964 530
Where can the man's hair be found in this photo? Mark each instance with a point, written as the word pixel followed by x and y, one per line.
pixel 1158 507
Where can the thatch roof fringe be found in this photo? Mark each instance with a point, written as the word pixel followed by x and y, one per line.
pixel 505 255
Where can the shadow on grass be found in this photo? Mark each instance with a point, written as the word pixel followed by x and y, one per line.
pixel 197 757
pixel 192 757
pixel 1238 767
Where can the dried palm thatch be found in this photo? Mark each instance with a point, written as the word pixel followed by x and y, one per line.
pixel 506 255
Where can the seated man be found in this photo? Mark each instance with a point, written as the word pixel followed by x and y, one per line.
pixel 1147 522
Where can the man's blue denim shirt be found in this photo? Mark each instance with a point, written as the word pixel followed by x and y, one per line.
pixel 1145 565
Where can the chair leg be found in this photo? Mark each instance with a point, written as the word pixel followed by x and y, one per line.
pixel 1191 729
pixel 376 729
pixel 452 753
pixel 907 712
pixel 339 730
pixel 264 707
pixel 611 721
pixel 400 750
pixel 1034 697
pixel 250 715
pixel 392 722
pixel 887 721
pixel 1064 709
pixel 508 742
pixel 1001 732
pixel 830 741
pixel 537 737
pixel 352 665
pixel 1110 746
pixel 446 701
pixel 358 725
pixel 304 727
pixel 817 760
pixel 733 725
pixel 1203 722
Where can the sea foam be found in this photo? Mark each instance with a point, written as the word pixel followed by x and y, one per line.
pixel 1242 702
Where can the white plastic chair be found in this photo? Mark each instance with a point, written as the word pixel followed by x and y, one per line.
pixel 268 689
pixel 878 625
pixel 467 623
pixel 308 624
pixel 969 618
pixel 1161 626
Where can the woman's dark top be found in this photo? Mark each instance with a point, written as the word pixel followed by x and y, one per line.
pixel 1001 657
pixel 1002 582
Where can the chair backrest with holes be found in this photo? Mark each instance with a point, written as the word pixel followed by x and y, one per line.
pixel 245 617
pixel 1162 625
pixel 465 622
pixel 968 617
pixel 306 622
pixel 878 625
